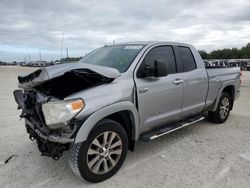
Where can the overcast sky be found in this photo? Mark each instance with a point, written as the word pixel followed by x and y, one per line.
pixel 28 26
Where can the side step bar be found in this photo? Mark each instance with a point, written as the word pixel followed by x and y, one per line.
pixel 170 128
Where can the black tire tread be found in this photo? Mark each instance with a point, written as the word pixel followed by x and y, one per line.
pixel 73 158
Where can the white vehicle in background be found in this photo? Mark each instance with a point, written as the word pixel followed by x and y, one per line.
pixel 248 64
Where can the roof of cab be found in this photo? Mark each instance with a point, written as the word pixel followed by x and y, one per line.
pixel 153 43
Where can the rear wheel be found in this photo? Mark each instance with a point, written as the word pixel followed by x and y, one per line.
pixel 223 110
pixel 102 154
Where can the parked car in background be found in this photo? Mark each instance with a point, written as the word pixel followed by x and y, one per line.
pixel 248 65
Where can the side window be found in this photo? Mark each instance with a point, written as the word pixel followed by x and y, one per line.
pixel 163 53
pixel 187 59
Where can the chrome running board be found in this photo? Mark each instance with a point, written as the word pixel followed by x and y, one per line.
pixel 170 128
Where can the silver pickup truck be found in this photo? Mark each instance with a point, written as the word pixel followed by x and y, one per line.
pixel 99 107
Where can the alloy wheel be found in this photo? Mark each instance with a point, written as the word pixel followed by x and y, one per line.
pixel 104 152
pixel 224 108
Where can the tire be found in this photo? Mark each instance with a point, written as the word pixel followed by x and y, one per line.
pixel 222 112
pixel 92 162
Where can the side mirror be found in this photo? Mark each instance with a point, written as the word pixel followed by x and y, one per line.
pixel 160 68
pixel 148 71
pixel 145 70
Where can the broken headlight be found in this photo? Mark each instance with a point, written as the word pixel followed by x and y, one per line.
pixel 57 114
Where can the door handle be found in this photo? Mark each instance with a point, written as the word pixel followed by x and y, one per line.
pixel 143 90
pixel 177 81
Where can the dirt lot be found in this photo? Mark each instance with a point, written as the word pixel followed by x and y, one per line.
pixel 201 155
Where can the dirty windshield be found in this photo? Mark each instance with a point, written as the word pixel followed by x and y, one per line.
pixel 116 56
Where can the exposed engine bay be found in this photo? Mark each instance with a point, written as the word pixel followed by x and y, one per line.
pixel 75 80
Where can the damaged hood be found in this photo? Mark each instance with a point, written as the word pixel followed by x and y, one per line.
pixel 63 80
pixel 47 73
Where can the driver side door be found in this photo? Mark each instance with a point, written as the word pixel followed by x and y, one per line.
pixel 159 98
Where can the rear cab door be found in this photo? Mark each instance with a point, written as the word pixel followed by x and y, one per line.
pixel 195 81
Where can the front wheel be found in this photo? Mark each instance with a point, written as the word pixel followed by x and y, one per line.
pixel 102 154
pixel 223 110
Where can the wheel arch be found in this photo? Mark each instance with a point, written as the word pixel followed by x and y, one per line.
pixel 228 87
pixel 124 113
pixel 126 119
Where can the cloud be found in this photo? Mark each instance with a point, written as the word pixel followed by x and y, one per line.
pixel 28 26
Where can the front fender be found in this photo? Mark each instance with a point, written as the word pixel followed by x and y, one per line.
pixel 87 126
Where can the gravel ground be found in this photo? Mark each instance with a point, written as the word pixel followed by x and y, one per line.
pixel 201 155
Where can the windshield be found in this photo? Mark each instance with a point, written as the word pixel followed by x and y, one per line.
pixel 116 56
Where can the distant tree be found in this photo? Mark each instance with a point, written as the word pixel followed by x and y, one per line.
pixel 69 59
pixel 234 53
pixel 204 54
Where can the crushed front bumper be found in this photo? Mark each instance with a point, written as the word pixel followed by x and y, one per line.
pixel 48 145
pixel 51 138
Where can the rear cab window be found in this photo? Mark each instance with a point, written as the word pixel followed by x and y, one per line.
pixel 187 58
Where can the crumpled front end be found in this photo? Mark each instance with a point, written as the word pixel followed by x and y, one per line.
pixel 49 119
pixel 51 141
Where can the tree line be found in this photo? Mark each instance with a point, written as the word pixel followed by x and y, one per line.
pixel 226 53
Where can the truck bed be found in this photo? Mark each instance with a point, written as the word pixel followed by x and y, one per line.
pixel 217 77
pixel 219 71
